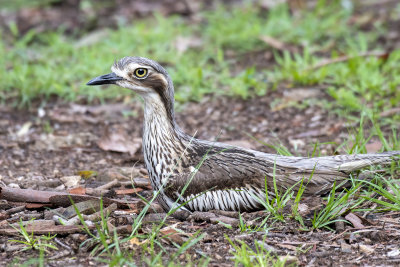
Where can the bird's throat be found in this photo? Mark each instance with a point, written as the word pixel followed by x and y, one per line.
pixel 161 142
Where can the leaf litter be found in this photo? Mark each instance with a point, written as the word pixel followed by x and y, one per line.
pixel 121 182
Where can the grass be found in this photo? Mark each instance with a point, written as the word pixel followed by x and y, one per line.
pixel 260 256
pixel 41 243
pixel 40 65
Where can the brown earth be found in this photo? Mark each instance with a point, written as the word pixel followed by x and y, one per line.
pixel 40 146
pixel 62 140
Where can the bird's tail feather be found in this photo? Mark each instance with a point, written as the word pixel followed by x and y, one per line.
pixel 319 174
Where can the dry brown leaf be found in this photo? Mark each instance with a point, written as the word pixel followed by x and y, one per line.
pixel 373 147
pixel 128 191
pixel 35 205
pixel 171 234
pixel 77 190
pixel 355 220
pixel 119 141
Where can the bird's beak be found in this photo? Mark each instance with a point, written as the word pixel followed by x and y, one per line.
pixel 110 78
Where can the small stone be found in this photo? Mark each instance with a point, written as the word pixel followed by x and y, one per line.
pixel 346 248
pixel 218 257
pixel 71 181
pixel 366 249
pixel 13 185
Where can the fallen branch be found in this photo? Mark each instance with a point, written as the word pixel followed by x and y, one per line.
pixel 56 198
pixel 57 229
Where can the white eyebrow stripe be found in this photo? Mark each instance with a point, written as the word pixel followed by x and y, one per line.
pixel 129 68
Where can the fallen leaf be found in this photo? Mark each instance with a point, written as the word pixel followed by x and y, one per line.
pixel 373 147
pixel 355 220
pixel 87 174
pixel 35 205
pixel 119 141
pixel 172 234
pixel 77 190
pixel 128 191
pixel 366 249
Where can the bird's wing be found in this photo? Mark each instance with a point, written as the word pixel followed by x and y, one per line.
pixel 342 163
pixel 239 168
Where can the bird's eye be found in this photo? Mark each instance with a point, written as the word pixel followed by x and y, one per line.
pixel 140 73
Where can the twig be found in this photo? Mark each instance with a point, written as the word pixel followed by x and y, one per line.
pixel 15 210
pixel 109 185
pixel 390 112
pixel 62 244
pixel 330 61
pixel 277 44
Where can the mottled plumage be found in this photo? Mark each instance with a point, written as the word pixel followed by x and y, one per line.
pixel 211 175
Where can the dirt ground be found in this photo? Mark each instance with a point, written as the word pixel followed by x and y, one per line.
pixel 63 139
pixel 39 146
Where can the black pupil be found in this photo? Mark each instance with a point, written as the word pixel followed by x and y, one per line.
pixel 140 72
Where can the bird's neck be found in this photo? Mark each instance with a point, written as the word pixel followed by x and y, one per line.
pixel 163 147
pixel 158 119
pixel 162 139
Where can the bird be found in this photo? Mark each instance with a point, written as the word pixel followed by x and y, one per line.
pixel 191 175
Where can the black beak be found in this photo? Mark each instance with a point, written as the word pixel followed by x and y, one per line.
pixel 110 78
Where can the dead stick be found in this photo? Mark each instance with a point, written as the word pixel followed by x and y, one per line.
pixel 26 195
pixel 326 62
pixel 108 185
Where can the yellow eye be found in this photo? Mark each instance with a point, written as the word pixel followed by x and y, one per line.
pixel 140 73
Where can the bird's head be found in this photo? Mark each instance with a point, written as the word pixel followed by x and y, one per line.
pixel 142 75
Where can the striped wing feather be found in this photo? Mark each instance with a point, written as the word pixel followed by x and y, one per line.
pixel 232 179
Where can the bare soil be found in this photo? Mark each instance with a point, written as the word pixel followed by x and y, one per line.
pixel 41 145
pixel 62 140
